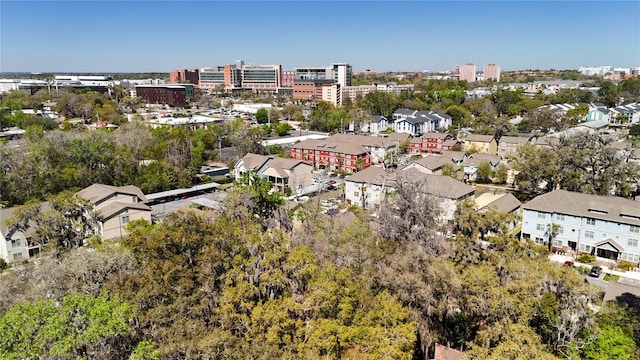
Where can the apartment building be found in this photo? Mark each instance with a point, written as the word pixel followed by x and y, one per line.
pixel 492 72
pixel 605 226
pixel 468 72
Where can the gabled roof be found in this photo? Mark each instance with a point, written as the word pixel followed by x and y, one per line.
pixel 253 162
pixel 372 175
pixel 607 208
pixel 505 203
pixel 404 112
pixel 377 118
pixel 480 138
pixel 435 136
pixel 98 192
pixel 477 159
pixel 113 209
pixel 516 139
pixel 433 162
pixel 398 137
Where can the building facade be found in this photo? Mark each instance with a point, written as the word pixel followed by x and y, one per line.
pixel 492 72
pixel 172 95
pixel 180 76
pixel 468 72
pixel 607 227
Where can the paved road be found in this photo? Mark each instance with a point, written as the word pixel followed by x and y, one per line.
pixel 596 281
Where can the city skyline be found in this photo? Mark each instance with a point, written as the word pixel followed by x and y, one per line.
pixel 160 36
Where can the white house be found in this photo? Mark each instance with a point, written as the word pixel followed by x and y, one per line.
pixel 375 125
pixel 367 188
pixel 605 226
pixel 416 122
pixel 283 173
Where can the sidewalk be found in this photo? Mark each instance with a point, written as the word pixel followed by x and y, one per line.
pixel 634 274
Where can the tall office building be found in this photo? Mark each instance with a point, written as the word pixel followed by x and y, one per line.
pixel 468 72
pixel 340 73
pixel 492 72
pixel 261 77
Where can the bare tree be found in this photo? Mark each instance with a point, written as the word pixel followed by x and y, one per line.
pixel 410 213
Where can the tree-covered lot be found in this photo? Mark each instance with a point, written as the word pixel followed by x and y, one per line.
pixel 263 281
pixel 252 284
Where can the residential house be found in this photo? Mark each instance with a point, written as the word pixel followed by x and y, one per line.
pixel 116 206
pixel 375 125
pixel 508 145
pixel 14 244
pixel 624 115
pixel 429 143
pixel 483 144
pixel 291 174
pixel 416 122
pixel 367 188
pixel 598 113
pixel 473 162
pixel 605 226
pixel 432 164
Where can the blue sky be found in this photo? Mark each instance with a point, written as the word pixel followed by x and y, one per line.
pixel 136 36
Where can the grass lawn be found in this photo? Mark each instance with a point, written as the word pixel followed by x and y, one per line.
pixel 611 277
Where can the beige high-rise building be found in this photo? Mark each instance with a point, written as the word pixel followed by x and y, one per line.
pixel 492 72
pixel 468 72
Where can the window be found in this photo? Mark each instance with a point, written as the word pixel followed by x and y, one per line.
pixel 557 242
pixel 589 234
pixel 134 199
pixel 15 243
pixel 560 217
pixel 542 216
pixel 634 229
pixel 632 242
pixel 591 221
pixel 560 230
pixel 540 227
pixel 355 193
pixel 630 257
pixel 17 256
pixel 585 248
pixel 125 219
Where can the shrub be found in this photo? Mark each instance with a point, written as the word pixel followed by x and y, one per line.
pixel 3 264
pixel 626 265
pixel 586 258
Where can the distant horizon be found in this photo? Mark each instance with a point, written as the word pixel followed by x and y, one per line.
pixel 400 36
pixel 354 70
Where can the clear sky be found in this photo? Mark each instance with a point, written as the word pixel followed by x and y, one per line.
pixel 159 36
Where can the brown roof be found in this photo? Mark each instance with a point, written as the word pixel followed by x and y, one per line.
pixel 477 159
pixel 115 208
pixel 442 186
pixel 515 139
pixel 607 208
pixel 376 175
pixel 505 203
pixel 398 137
pixel 333 146
pixel 450 142
pixel 438 136
pixel 254 161
pixel 434 162
pixel 479 138
pixel 98 192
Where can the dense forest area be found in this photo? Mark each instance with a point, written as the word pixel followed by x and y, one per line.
pixel 250 283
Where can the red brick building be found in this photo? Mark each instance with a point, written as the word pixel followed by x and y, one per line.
pixel 180 76
pixel 310 89
pixel 431 143
pixel 172 95
pixel 332 155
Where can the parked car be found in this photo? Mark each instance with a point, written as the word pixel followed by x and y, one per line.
pixel 568 263
pixel 596 271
